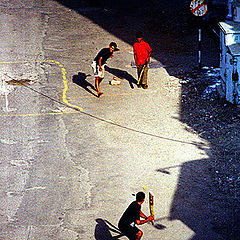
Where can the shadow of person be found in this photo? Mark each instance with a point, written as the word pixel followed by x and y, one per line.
pixel 103 228
pixel 158 225
pixel 122 75
pixel 80 80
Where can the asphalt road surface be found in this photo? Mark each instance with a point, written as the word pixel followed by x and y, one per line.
pixel 70 163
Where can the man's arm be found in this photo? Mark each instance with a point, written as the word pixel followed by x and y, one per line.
pixel 135 58
pixel 142 215
pixel 148 57
pixel 147 219
pixel 149 53
pixel 135 54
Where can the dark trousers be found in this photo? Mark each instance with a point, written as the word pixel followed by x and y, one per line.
pixel 144 75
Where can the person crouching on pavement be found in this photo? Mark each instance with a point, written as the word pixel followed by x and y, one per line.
pixel 131 217
pixel 99 63
pixel 142 52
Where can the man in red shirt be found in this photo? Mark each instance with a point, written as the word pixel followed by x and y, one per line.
pixel 142 52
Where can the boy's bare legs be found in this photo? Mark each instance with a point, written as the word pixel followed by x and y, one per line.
pixel 97 82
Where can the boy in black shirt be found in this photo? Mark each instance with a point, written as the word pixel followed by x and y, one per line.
pixel 99 62
pixel 132 216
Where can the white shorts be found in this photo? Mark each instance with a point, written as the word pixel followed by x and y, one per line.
pixel 96 71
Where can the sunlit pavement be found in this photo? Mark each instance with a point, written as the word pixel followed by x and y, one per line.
pixel 71 162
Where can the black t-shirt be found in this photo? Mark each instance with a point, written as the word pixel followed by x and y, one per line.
pixel 105 54
pixel 131 214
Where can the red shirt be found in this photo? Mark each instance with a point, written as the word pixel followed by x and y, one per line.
pixel 141 51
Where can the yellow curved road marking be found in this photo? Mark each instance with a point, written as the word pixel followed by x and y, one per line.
pixel 65 83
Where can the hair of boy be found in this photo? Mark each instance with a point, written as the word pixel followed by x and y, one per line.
pixel 139 34
pixel 113 44
pixel 140 196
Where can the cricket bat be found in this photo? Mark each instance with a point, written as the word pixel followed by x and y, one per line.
pixel 151 206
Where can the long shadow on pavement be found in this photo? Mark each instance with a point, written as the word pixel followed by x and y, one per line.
pixel 104 229
pixel 122 75
pixel 80 80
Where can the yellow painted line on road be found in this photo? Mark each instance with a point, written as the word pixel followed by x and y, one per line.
pixel 35 114
pixel 65 82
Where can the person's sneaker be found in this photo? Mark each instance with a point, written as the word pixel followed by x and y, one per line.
pixel 145 86
pixel 99 94
pixel 139 86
